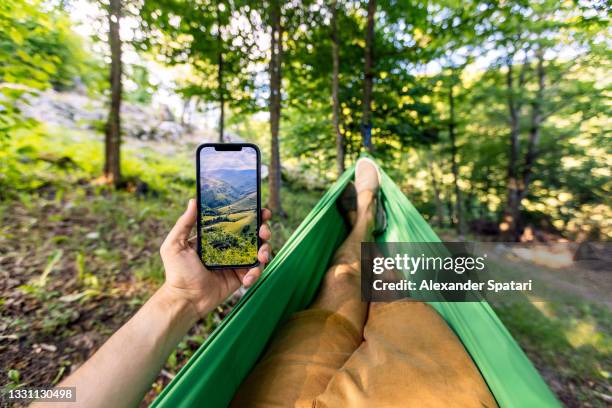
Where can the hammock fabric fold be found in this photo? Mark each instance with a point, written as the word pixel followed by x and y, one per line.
pixel 214 373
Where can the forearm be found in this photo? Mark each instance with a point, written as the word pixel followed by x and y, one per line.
pixel 122 370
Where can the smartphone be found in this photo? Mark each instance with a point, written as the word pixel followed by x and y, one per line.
pixel 229 204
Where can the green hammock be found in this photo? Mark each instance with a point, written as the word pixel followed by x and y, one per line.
pixel 214 373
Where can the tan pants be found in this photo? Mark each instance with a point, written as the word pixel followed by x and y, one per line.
pixel 343 353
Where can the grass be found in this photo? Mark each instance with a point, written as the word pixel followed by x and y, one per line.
pixel 566 330
pixel 244 203
pixel 228 243
pixel 570 345
pixel 240 216
pixel 565 334
pixel 237 223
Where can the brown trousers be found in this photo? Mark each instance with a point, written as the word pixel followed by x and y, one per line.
pixel 342 352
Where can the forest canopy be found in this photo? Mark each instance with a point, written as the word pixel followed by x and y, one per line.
pixel 493 116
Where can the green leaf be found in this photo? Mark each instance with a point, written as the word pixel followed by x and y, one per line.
pixel 51 263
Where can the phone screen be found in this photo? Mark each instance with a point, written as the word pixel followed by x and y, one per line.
pixel 228 205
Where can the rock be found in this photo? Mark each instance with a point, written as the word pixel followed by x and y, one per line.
pixel 79 86
pixel 166 114
pixel 93 235
pixel 44 347
pixel 75 110
pixel 168 130
pixel 300 178
pixel 71 110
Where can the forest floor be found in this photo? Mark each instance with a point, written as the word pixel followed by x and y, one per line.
pixel 565 328
pixel 77 260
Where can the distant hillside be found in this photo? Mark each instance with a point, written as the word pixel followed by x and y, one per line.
pixel 244 204
pixel 234 223
pixel 223 187
pixel 217 193
pixel 244 180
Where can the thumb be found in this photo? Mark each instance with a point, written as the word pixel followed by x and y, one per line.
pixel 183 226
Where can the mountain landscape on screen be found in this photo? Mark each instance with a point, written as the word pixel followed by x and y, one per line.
pixel 223 187
pixel 229 216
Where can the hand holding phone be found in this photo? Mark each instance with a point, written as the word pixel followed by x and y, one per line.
pixel 188 279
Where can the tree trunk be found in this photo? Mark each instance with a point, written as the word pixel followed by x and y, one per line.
pixel 366 122
pixel 220 84
pixel 484 208
pixel 436 191
pixel 276 45
pixel 335 88
pixel 112 169
pixel 221 100
pixel 448 200
pixel 535 126
pixel 511 223
pixel 185 116
pixel 454 168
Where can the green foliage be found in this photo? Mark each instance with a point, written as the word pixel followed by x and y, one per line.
pixel 570 176
pixel 297 202
pixel 205 37
pixel 38 49
pixel 144 89
pixel 231 238
pixel 34 159
pixel 14 377
pixel 220 247
pixel 401 115
pixel 24 67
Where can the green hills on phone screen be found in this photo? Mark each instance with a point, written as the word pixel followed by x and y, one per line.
pixel 229 216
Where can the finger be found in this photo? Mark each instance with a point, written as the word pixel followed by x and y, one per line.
pixel 181 230
pixel 240 272
pixel 251 276
pixel 264 232
pixel 266 214
pixel 233 277
pixel 264 254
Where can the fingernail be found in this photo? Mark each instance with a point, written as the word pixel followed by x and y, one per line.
pixel 266 256
pixel 248 280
